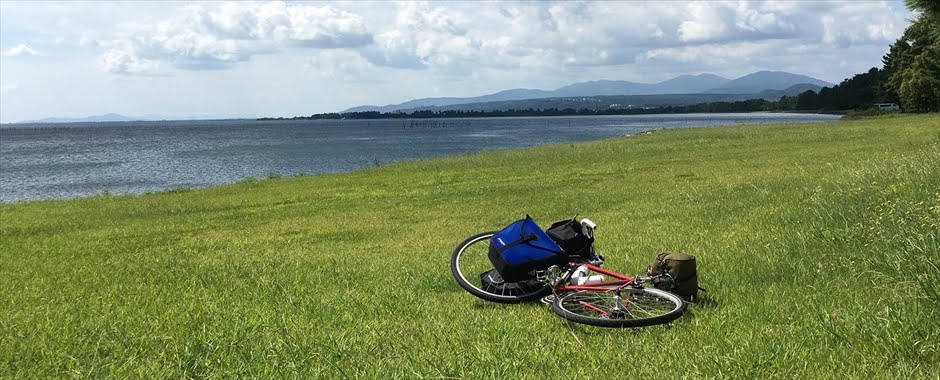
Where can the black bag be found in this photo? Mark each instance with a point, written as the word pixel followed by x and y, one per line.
pixel 683 280
pixel 493 283
pixel 571 237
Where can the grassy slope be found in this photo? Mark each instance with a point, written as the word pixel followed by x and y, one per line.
pixel 818 245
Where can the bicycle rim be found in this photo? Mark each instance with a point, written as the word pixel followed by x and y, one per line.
pixel 637 307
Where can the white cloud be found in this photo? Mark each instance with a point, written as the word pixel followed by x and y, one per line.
pixel 326 27
pixel 343 66
pixel 860 23
pixel 425 35
pixel 6 88
pixel 703 22
pixel 124 62
pixel 347 53
pixel 216 36
pixel 19 50
pixel 708 54
pixel 459 38
pixel 568 35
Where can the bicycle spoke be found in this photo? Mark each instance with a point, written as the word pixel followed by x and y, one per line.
pixel 592 307
pixel 647 307
pixel 636 304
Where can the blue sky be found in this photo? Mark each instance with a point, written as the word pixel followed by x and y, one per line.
pixel 252 59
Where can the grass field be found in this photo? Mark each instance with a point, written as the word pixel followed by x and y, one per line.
pixel 819 245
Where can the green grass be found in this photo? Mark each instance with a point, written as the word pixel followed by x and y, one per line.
pixel 818 245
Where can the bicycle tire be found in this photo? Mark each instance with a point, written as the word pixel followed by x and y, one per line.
pixel 478 246
pixel 641 307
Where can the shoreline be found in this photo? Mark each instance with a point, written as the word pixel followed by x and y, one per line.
pixel 377 161
pixel 16 125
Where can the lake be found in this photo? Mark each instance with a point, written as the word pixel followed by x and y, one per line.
pixel 41 161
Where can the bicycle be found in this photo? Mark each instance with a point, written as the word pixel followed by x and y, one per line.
pixel 579 290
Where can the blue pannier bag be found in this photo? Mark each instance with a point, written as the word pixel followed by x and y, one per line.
pixel 522 248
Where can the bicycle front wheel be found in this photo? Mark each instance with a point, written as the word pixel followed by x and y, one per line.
pixel 471 267
pixel 631 307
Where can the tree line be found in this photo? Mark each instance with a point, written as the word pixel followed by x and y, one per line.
pixel 751 105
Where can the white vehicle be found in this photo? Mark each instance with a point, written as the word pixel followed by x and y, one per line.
pixel 888 106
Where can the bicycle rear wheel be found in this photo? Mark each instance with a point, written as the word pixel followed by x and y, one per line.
pixel 637 307
pixel 474 272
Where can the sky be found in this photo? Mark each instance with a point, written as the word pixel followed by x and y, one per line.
pixel 255 59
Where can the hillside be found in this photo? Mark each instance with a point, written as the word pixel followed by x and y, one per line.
pixel 751 84
pixel 507 95
pixel 818 245
pixel 793 90
pixel 765 80
pixel 96 118
pixel 619 102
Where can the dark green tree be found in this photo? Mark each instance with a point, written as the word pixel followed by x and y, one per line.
pixel 808 100
pixel 899 57
pixel 786 103
pixel 920 86
pixel 909 67
pixel 929 17
pixel 926 6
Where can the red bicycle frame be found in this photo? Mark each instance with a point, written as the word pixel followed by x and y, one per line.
pixel 621 280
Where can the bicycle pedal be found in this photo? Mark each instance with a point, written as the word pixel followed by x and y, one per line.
pixel 548 300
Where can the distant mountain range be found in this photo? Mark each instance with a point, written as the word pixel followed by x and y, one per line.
pixel 96 118
pixel 752 84
pixel 595 95
pixel 765 80
pixel 603 102
pixel 111 117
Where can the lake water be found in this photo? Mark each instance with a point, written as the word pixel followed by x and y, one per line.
pixel 69 160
